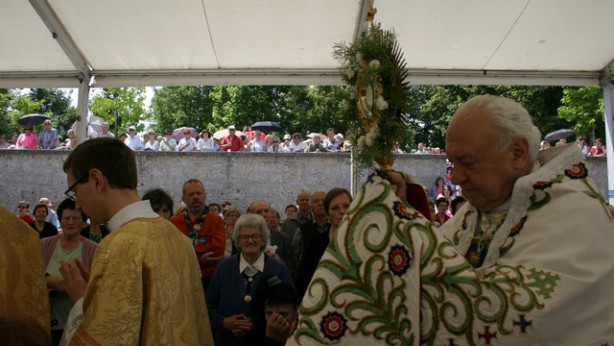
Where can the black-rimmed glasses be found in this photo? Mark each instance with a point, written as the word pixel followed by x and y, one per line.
pixel 246 237
pixel 72 195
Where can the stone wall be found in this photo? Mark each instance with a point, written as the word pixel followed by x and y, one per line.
pixel 240 178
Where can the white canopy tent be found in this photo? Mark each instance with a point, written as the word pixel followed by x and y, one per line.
pixel 65 43
pixel 59 43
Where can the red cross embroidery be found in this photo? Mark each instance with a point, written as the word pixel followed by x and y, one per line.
pixel 487 335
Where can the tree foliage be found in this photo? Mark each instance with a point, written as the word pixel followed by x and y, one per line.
pixel 174 107
pixel 583 107
pixel 121 108
pixel 300 109
pixel 435 105
pixel 57 105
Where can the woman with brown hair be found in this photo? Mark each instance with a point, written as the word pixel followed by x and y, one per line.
pixel 64 247
pixel 44 228
pixel 336 203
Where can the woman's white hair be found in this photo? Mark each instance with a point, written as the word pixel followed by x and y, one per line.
pixel 512 119
pixel 251 220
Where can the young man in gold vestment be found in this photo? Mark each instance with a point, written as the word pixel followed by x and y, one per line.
pixel 144 287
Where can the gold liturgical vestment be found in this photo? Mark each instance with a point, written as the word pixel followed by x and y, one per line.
pixel 144 288
pixel 23 291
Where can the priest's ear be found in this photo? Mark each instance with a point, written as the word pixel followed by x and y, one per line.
pixel 519 149
pixel 100 181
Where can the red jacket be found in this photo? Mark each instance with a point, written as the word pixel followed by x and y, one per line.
pixel 214 238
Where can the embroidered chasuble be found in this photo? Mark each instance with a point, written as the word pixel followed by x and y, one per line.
pixel 389 276
pixel 144 289
pixel 23 290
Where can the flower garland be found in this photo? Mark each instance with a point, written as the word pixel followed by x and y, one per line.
pixel 377 111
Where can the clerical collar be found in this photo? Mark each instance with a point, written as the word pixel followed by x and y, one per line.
pixel 141 209
pixel 259 264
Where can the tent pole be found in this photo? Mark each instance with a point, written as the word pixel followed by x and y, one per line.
pixel 608 102
pixel 82 108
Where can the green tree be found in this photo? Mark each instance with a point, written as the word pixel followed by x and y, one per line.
pixel 326 108
pixel 121 107
pixel 434 107
pixel 8 125
pixel 255 103
pixel 174 107
pixel 583 107
pixel 57 105
pixel 300 109
pixel 21 105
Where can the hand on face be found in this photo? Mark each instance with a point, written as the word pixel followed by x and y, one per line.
pixel 280 321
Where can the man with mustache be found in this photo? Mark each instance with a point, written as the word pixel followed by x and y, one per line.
pixel 205 230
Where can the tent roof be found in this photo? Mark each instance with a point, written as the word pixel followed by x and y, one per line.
pixel 58 43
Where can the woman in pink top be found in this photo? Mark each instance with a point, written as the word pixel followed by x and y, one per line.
pixel 27 139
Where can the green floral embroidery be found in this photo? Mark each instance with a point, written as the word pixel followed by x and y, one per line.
pixel 372 298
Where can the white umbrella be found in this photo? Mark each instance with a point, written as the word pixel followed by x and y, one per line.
pixel 94 126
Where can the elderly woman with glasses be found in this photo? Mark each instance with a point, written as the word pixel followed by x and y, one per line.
pixel 28 139
pixel 187 143
pixel 64 247
pixel 235 281
pixel 276 145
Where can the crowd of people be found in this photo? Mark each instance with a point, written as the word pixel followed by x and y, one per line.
pixel 258 253
pixel 249 140
pixel 145 272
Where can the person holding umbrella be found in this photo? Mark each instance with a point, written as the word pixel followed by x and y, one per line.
pixel 28 139
pixel 187 143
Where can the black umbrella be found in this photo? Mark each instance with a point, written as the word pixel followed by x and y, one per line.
pixel 32 119
pixel 266 126
pixel 558 134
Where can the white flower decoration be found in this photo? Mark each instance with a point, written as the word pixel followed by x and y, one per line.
pixel 370 136
pixel 361 142
pixel 359 58
pixel 369 140
pixel 381 104
pixel 349 72
pixel 374 63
